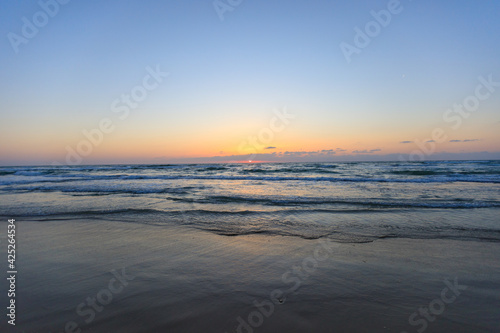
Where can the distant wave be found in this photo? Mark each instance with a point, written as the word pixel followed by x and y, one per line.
pixel 448 173
pixel 444 179
pixel 289 171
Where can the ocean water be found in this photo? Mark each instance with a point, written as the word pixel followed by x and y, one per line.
pixel 348 202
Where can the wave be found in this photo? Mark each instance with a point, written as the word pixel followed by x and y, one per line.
pixel 87 213
pixel 450 179
pixel 288 171
pixel 485 172
pixel 448 173
pixel 99 190
pixel 314 179
pixel 172 213
pixel 364 202
pixel 349 236
pixel 418 172
pixel 277 223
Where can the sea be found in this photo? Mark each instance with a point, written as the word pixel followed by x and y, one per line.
pixel 348 202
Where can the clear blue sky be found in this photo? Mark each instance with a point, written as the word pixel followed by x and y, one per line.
pixel 226 77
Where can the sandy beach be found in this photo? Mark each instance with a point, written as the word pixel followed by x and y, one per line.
pixel 110 276
pixel 233 166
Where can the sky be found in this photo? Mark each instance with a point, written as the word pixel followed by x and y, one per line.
pixel 192 81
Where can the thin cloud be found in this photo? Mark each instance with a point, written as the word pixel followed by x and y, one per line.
pixel 406 142
pixel 270 147
pixel 328 152
pixel 466 140
pixel 365 151
pixel 309 153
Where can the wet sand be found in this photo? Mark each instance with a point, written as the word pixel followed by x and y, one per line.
pixel 109 276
